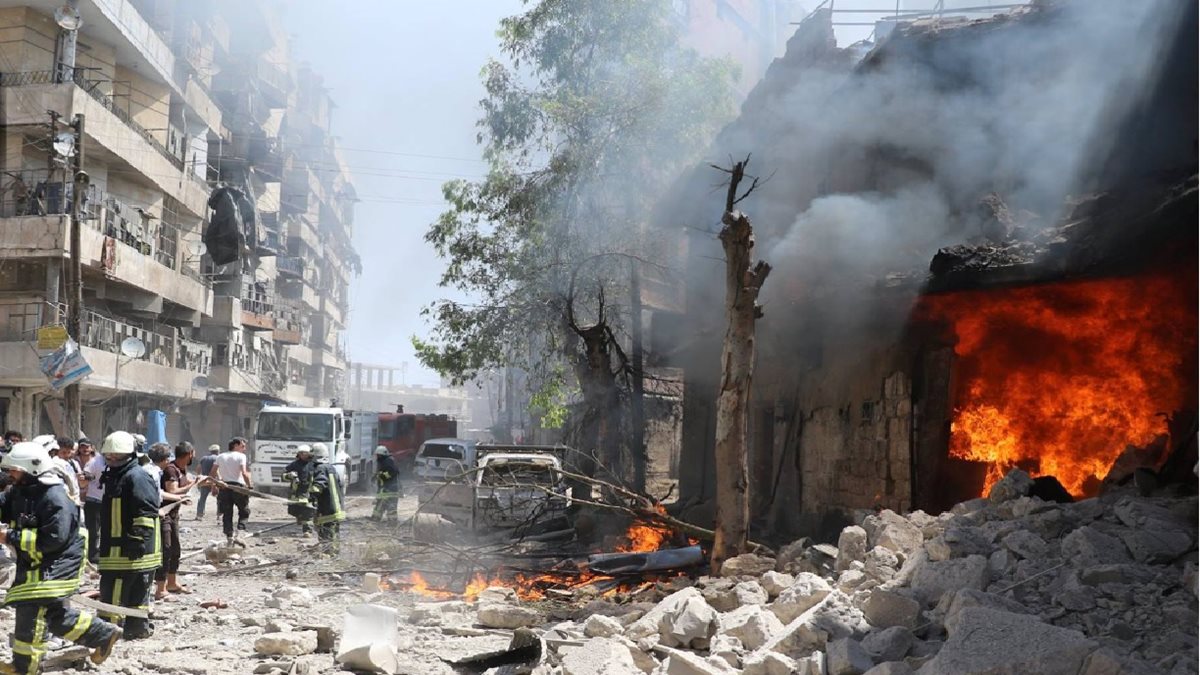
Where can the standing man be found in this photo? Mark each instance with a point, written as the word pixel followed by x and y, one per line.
pixel 175 486
pixel 93 495
pixel 42 525
pixel 64 458
pixel 326 495
pixel 206 465
pixel 299 476
pixel 387 486
pixel 130 536
pixel 231 469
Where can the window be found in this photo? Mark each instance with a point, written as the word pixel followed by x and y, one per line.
pixel 307 427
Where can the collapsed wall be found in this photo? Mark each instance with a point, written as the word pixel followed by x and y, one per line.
pixel 971 134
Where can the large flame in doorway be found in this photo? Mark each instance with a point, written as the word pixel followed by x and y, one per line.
pixel 1060 378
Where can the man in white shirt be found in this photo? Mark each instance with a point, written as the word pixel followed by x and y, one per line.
pixel 232 468
pixel 60 457
pixel 93 496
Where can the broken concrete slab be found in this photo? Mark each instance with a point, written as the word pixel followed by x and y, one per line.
pixel 852 546
pixel 933 579
pixel 884 609
pixel 286 644
pixel 1002 643
pixel 833 618
pixel 753 625
pixel 747 565
pixel 890 644
pixel 498 615
pixel 847 657
pixel 371 658
pixel 805 592
pixel 599 657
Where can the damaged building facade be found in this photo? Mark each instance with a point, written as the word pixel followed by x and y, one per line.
pixel 958 289
pixel 172 94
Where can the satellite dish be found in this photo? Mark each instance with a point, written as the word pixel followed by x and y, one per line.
pixel 64 144
pixel 68 18
pixel 197 248
pixel 200 382
pixel 133 348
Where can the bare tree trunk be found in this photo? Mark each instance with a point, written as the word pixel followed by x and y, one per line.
pixel 742 284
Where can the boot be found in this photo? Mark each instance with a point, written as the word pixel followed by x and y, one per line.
pixel 101 653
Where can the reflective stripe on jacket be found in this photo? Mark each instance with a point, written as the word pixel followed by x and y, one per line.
pixel 130 537
pixel 327 495
pixel 44 528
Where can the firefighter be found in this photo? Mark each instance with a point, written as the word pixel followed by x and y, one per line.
pixel 326 495
pixel 42 524
pixel 299 477
pixel 387 486
pixel 130 536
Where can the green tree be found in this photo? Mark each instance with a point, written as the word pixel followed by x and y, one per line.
pixel 595 110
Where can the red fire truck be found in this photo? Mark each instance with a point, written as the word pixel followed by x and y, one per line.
pixel 403 433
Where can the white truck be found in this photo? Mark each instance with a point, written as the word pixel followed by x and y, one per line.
pixel 281 430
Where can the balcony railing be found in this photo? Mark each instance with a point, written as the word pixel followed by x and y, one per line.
pixel 92 87
pixel 290 266
pixel 257 298
pixel 163 348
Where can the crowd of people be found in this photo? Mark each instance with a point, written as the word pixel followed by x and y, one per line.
pixel 63 506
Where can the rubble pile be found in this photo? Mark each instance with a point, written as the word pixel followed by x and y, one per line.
pixel 1007 584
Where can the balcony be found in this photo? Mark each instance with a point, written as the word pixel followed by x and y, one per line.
pixel 258 306
pixel 163 347
pixel 116 240
pixel 113 128
pixel 289 322
pixel 270 235
pixel 266 155
pixel 290 267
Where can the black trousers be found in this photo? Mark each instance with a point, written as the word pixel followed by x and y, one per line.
pixel 226 500
pixel 91 517
pixel 132 590
pixel 34 619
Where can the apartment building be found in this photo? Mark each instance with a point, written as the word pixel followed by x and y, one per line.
pixel 178 102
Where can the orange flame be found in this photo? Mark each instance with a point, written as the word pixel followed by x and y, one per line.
pixel 639 538
pixel 1060 378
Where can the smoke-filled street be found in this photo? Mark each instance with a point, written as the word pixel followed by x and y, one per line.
pixel 595 337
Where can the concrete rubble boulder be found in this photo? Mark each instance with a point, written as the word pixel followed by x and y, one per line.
pixel 935 578
pixel 286 644
pixel 747 565
pixel 852 546
pixel 1002 643
pixel 806 591
pixel 769 663
pixel 895 532
pixel 691 624
pixel 847 657
pixel 891 668
pixel 447 613
pixel 884 609
pixel 891 644
pixel 775 583
pixel 752 625
pixel 1015 484
pixel 501 615
pixel 598 625
pixel 648 624
pixel 833 618
pixel 601 656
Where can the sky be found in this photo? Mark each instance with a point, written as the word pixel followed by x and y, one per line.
pixel 405 78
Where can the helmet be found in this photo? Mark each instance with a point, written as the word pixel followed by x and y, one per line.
pixel 118 443
pixel 214 449
pixel 320 451
pixel 28 456
pixel 47 441
pixel 381 450
pixel 304 448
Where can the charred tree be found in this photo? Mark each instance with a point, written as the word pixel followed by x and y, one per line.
pixel 742 285
pixel 597 368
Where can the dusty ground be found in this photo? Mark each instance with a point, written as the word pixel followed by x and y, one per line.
pixel 190 639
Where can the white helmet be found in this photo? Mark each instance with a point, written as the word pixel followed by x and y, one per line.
pixel 320 451
pixel 118 443
pixel 47 441
pixel 28 456
pixel 381 450
pixel 304 448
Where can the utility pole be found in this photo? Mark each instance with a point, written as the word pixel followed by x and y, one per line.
pixel 75 294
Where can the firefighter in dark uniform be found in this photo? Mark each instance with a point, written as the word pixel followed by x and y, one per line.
pixel 326 495
pixel 299 476
pixel 130 538
pixel 387 486
pixel 42 524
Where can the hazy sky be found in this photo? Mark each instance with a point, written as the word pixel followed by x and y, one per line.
pixel 405 78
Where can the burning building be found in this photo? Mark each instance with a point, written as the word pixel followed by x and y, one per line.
pixel 984 242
